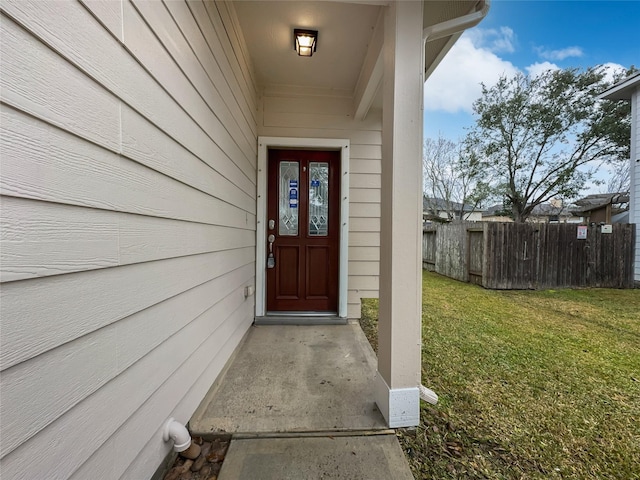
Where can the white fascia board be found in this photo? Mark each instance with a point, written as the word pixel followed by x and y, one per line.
pixel 622 90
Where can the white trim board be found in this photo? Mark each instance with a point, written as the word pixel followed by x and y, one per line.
pixel 264 143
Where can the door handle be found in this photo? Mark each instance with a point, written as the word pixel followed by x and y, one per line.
pixel 271 261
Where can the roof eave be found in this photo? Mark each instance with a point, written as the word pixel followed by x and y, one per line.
pixel 622 90
pixel 451 30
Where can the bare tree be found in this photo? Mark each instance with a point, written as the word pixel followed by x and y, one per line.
pixel 620 180
pixel 452 178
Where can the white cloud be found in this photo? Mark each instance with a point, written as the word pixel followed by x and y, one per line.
pixel 455 83
pixel 560 54
pixel 611 69
pixel 496 41
pixel 539 68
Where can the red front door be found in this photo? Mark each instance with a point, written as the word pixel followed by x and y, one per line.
pixel 303 225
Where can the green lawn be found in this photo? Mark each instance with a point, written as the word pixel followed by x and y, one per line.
pixel 531 384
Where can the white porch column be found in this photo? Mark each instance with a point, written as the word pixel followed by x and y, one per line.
pixel 399 328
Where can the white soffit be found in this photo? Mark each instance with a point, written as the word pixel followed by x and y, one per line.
pixel 344 33
pixel 435 12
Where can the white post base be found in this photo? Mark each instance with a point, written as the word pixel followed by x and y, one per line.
pixel 400 406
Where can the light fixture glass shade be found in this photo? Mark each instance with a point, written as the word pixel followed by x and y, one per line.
pixel 305 42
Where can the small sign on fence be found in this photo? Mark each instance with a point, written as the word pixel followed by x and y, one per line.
pixel 582 232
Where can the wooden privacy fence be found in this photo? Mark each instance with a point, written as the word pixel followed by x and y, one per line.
pixel 531 255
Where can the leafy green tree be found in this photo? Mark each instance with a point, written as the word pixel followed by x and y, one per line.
pixel 543 137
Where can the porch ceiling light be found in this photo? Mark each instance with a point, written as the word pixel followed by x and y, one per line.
pixel 305 41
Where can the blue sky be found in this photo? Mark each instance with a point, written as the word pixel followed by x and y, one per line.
pixel 528 37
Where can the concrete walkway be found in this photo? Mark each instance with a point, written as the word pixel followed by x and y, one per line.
pixel 376 457
pixel 298 402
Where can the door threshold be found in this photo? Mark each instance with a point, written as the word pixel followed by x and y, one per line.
pixel 302 313
pixel 299 318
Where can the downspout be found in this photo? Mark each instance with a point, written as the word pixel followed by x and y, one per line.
pixel 435 32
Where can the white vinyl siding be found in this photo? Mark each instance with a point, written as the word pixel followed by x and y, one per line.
pixel 320 116
pixel 635 174
pixel 128 157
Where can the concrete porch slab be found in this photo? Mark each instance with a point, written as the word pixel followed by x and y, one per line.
pixel 287 378
pixel 368 457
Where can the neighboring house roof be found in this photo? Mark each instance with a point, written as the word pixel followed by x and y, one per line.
pixel 622 90
pixel 494 210
pixel 546 210
pixel 431 203
pixel 599 200
pixel 542 210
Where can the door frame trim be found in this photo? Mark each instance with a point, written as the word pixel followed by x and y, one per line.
pixel 264 143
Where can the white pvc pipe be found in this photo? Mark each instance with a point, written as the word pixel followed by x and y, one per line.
pixel 428 395
pixel 456 25
pixel 177 432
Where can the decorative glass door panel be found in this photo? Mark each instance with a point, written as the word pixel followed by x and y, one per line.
pixel 303 231
pixel 318 199
pixel 288 199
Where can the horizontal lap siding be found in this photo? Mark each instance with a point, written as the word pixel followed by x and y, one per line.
pixel 364 224
pixel 128 227
pixel 284 116
pixel 635 177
